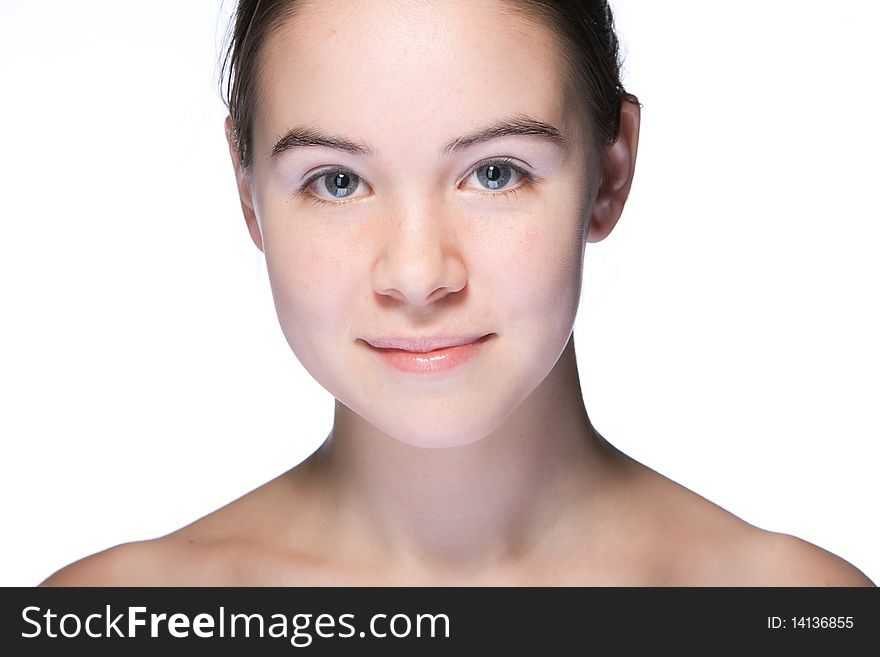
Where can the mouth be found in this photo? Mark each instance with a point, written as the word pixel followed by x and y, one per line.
pixel 422 356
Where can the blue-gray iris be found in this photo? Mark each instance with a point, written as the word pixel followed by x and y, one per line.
pixel 495 176
pixel 342 184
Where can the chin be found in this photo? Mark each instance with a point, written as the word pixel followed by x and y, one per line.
pixel 434 441
pixel 431 433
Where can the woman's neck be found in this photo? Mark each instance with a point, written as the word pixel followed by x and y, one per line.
pixel 485 506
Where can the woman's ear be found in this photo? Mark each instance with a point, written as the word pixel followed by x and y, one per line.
pixel 244 188
pixel 617 174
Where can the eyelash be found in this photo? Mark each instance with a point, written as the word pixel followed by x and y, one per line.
pixel 526 180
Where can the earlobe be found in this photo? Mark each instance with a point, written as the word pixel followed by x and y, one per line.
pixel 617 174
pixel 243 183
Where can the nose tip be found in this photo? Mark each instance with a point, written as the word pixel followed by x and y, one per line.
pixel 420 263
pixel 425 284
pixel 419 274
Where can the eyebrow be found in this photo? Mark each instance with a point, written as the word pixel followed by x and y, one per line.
pixel 519 125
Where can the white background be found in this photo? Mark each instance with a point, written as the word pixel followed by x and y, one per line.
pixel 727 335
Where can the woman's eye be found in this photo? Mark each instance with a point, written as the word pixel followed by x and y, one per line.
pixel 338 186
pixel 497 175
pixel 341 184
pixel 332 186
pixel 494 176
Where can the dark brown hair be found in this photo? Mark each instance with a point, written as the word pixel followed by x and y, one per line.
pixel 585 28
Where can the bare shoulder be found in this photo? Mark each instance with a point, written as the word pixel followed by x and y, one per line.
pixel 775 559
pixel 156 562
pixel 694 542
pixel 195 555
pixel 247 542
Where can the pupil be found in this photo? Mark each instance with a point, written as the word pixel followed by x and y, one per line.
pixel 340 184
pixel 492 173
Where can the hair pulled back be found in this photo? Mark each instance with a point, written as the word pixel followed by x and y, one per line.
pixel 585 28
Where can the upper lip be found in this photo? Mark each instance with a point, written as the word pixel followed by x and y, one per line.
pixel 424 343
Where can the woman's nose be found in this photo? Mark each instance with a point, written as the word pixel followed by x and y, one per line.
pixel 420 261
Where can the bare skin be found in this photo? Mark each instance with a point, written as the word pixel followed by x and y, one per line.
pixel 496 477
pixel 652 532
pixel 664 535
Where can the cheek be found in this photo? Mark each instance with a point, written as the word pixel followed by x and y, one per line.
pixel 311 275
pixel 538 268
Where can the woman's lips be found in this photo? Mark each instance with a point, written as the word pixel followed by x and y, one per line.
pixel 430 362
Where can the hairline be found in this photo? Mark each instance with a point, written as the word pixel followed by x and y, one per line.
pixel 534 13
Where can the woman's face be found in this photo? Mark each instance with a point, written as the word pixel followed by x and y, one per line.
pixel 411 238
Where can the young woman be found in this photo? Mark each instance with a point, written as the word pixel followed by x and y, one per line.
pixel 423 179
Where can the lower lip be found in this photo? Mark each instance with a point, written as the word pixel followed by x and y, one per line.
pixel 431 362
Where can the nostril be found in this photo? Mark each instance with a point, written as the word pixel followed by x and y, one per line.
pixel 419 273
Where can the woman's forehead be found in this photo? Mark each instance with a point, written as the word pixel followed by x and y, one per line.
pixel 394 71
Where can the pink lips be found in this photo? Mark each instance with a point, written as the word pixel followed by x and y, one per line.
pixel 427 355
